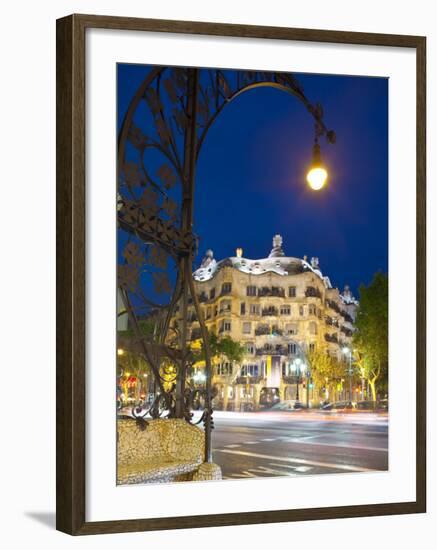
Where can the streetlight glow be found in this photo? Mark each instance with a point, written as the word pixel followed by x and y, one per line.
pixel 316 178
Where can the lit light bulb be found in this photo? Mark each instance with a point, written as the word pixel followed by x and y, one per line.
pixel 317 175
pixel 316 178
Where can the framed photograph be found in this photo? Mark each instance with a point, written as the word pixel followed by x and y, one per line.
pixel 240 274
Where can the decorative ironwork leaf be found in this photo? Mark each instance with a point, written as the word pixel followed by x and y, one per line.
pixel 179 77
pixel 128 276
pixel 161 283
pixel 137 138
pixel 180 118
pixel 158 257
pixel 132 173
pixel 129 211
pixel 132 254
pixel 171 208
pixel 171 90
pixel 153 101
pixel 167 175
pixel 203 108
pixel 163 130
pixel 168 231
pixel 149 201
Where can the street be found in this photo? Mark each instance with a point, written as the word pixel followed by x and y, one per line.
pixel 266 444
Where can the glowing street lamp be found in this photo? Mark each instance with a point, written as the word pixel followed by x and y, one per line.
pixel 296 366
pixel 317 174
pixel 199 377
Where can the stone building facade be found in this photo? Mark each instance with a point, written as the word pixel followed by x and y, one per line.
pixel 280 308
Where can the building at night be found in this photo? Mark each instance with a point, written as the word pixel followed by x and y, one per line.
pixel 281 309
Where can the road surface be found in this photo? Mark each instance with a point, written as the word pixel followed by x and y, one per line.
pixel 268 444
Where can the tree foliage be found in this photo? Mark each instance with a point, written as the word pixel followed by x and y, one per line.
pixel 371 336
pixel 325 370
pixel 226 346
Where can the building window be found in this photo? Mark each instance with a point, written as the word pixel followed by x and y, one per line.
pixel 312 347
pixel 292 292
pixel 311 309
pixel 226 326
pixel 301 311
pixel 249 370
pixel 226 288
pixel 254 309
pixel 247 328
pixel 224 368
pixel 212 294
pixel 291 328
pixel 243 308
pixel 313 327
pixel 250 348
pixel 251 291
pixel 292 348
pixel 285 310
pixel 225 306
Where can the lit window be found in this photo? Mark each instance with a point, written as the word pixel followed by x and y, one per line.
pixel 292 348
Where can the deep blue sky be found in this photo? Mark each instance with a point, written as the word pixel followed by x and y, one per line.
pixel 250 181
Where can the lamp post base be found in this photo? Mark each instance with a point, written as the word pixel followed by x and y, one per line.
pixel 208 471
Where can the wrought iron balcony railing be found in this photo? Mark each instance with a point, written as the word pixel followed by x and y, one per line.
pixel 248 379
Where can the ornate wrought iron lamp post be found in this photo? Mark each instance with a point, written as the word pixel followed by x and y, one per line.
pixel 159 143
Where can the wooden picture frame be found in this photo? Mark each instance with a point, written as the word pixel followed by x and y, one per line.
pixel 71 284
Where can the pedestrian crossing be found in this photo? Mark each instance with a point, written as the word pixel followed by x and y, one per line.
pixel 288 466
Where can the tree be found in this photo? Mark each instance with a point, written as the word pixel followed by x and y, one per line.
pixel 325 370
pixel 371 336
pixel 226 346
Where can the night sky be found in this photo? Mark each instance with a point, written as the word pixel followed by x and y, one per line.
pixel 250 181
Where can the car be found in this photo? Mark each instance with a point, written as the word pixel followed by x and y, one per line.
pixel 288 405
pixel 366 405
pixel 339 406
pixel 382 405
